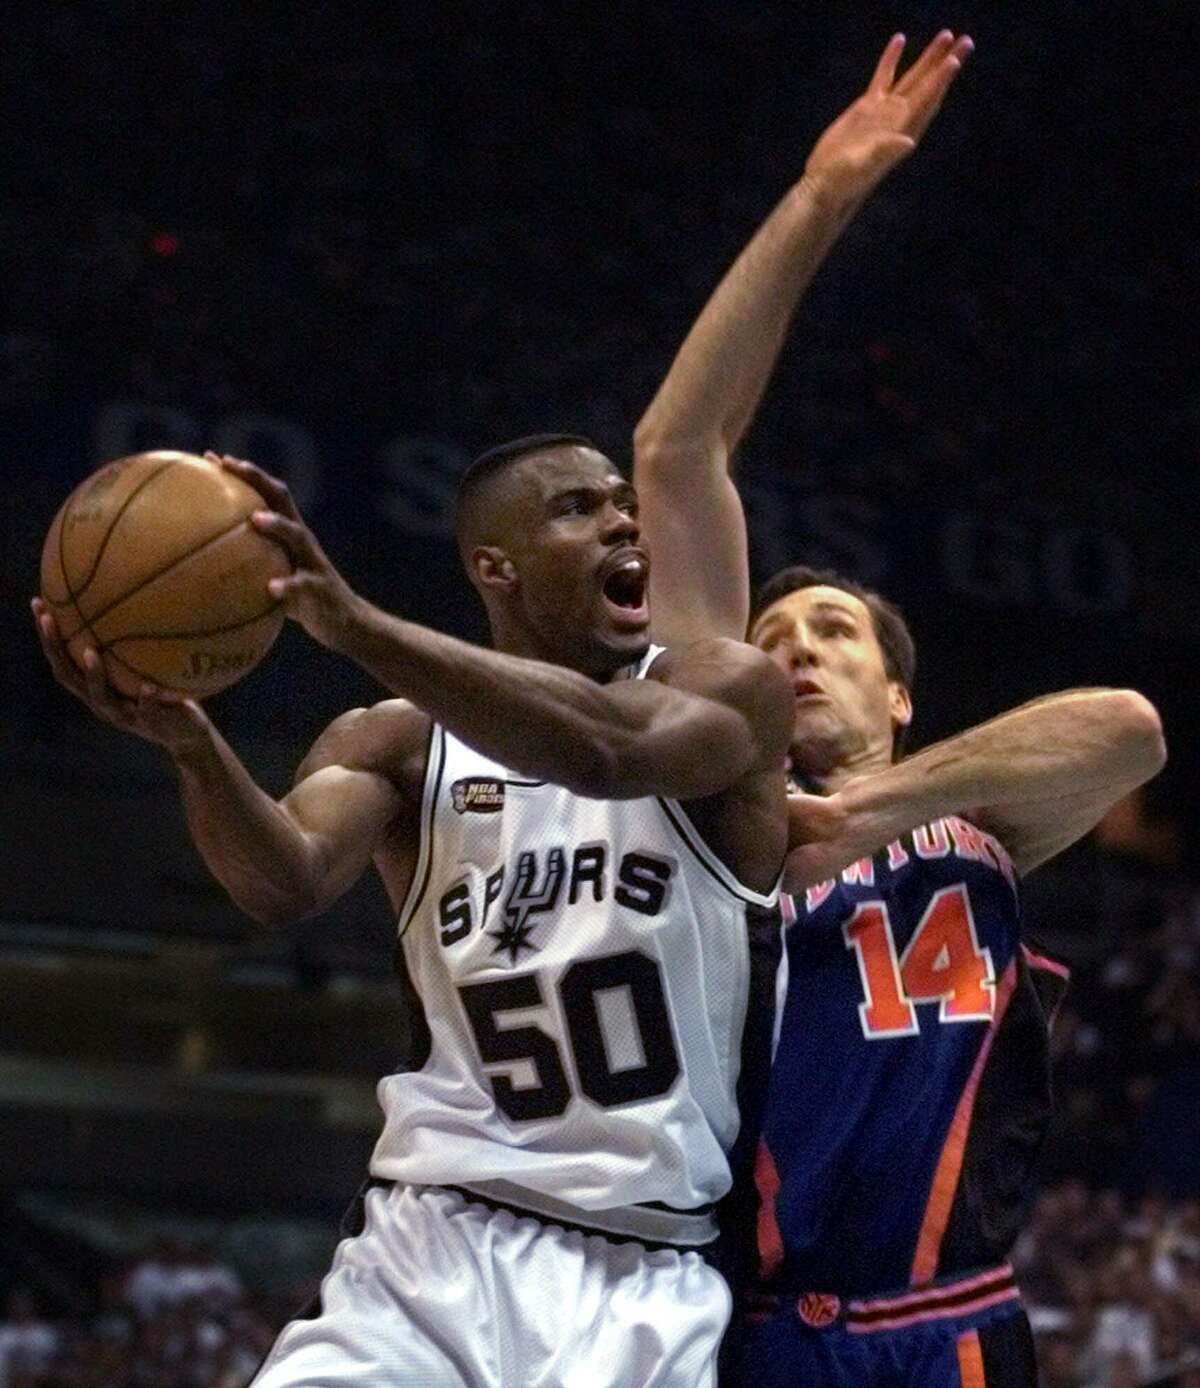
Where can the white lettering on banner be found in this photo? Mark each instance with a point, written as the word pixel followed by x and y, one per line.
pixel 288 450
pixel 1088 571
pixel 990 561
pixel 280 445
pixel 1013 563
pixel 825 530
pixel 423 474
pixel 998 561
pixel 133 426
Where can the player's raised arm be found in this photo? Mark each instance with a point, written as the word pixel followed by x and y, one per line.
pixel 278 860
pixel 684 442
pixel 1037 778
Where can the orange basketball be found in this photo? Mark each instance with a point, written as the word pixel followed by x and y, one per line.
pixel 153 561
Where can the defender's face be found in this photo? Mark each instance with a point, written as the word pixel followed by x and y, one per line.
pixel 847 709
pixel 583 574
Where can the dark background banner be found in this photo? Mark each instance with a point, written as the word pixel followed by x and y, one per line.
pixel 358 249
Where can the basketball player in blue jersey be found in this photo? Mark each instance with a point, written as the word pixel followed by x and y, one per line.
pixel 579 833
pixel 885 1164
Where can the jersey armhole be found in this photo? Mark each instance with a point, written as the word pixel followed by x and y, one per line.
pixel 685 830
pixel 435 766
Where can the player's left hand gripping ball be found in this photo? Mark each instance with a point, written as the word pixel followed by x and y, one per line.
pixel 314 594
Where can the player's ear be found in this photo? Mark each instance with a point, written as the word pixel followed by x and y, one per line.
pixel 899 704
pixel 492 567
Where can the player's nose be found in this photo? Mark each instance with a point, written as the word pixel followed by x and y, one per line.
pixel 802 649
pixel 617 525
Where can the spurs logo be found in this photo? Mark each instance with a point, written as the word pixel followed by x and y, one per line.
pixel 526 897
pixel 547 881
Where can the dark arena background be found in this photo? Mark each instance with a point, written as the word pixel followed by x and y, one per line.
pixel 360 244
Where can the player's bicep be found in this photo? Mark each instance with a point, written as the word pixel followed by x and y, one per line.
pixel 695 530
pixel 344 814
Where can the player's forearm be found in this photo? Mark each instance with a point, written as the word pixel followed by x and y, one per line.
pixel 261 858
pixel 718 377
pixel 1080 742
pixel 545 720
pixel 616 741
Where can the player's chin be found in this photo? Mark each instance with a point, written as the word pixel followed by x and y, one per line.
pixel 814 715
pixel 624 642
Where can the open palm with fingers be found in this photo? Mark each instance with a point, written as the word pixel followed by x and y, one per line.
pixel 884 125
pixel 314 593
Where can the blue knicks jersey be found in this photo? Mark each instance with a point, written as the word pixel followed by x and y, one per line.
pixel 909 1091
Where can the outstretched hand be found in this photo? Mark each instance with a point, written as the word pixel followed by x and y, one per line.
pixel 171 720
pixel 818 839
pixel 314 593
pixel 884 125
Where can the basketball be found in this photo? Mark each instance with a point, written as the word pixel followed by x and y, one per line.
pixel 154 562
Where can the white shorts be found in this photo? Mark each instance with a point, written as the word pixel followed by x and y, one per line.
pixel 440 1292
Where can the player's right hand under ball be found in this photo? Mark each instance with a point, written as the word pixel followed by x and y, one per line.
pixel 172 721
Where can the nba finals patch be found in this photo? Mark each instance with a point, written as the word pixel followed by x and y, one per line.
pixel 477 795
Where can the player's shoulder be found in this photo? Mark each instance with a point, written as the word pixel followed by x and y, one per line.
pixel 732 671
pixel 385 738
pixel 719 661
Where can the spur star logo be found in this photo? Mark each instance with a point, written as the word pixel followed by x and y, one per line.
pixel 527 897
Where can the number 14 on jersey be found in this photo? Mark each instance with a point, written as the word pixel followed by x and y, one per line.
pixel 942 963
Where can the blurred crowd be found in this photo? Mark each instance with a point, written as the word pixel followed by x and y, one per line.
pixel 1112 1288
pixel 1126 1040
pixel 174 1318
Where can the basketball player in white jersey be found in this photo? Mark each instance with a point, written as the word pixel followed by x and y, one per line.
pixel 580 835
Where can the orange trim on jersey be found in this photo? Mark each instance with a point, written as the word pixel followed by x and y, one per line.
pixel 970 1361
pixel 770 1240
pixel 1040 961
pixel 949 1167
pixel 943 1301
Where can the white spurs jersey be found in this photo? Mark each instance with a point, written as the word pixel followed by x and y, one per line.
pixel 582 966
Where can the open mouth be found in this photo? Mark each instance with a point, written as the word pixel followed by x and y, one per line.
pixel 624 590
pixel 805 689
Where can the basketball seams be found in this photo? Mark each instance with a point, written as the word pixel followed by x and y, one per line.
pixel 190 635
pixel 84 624
pixel 109 654
pixel 230 565
pixel 166 569
pixel 77 593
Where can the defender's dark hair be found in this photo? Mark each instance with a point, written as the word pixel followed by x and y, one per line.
pixel 490 465
pixel 891 630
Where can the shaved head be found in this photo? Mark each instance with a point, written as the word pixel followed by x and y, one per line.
pixel 487 485
pixel 548 533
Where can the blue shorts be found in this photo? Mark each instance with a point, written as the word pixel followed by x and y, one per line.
pixel 971 1332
